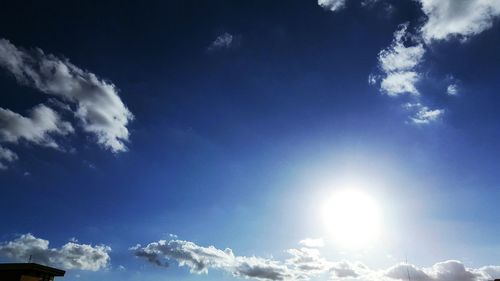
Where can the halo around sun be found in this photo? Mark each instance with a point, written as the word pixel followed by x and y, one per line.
pixel 352 218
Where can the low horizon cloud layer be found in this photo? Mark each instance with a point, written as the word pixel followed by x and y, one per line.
pixel 71 255
pixel 93 103
pixel 304 264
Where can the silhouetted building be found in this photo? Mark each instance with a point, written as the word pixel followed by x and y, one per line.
pixel 28 272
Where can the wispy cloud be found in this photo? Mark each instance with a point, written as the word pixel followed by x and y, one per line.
pixel 312 242
pixel 332 5
pixel 93 102
pixel 223 41
pixel 423 114
pixel 70 256
pixel 452 89
pixel 400 63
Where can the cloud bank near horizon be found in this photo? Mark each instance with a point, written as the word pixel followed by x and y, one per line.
pixel 71 255
pixel 304 263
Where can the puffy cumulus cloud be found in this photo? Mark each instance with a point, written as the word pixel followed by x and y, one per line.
pixel 222 41
pixel 307 261
pixel 490 272
pixel 312 243
pixel 83 256
pixel 260 268
pixel 399 57
pixel 402 271
pixel 303 264
pixel 70 256
pixel 398 83
pixel 332 5
pixel 186 253
pixel 457 18
pixel 94 102
pixel 398 63
pixel 199 259
pixel 451 270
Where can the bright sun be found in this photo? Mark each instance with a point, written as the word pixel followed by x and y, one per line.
pixel 353 218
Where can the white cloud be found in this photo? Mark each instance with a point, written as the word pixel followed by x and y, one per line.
pixel 452 89
pixel 307 262
pixel 199 259
pixel 372 79
pixel 445 19
pixel 332 5
pixel 426 115
pixel 260 268
pixel 423 114
pixel 402 271
pixel 222 41
pixel 399 57
pixel 6 155
pixel 42 123
pixel 312 243
pixel 398 83
pixel 490 272
pixel 451 270
pixel 346 269
pixel 70 256
pixel 95 102
pixel 398 62
pixel 304 264
pixel 457 18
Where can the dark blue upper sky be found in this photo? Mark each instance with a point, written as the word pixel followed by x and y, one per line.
pixel 237 144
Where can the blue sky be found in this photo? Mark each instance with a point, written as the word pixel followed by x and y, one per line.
pixel 215 133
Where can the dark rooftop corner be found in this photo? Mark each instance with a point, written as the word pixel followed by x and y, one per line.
pixel 28 272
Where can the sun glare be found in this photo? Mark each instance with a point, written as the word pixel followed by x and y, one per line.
pixel 353 219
